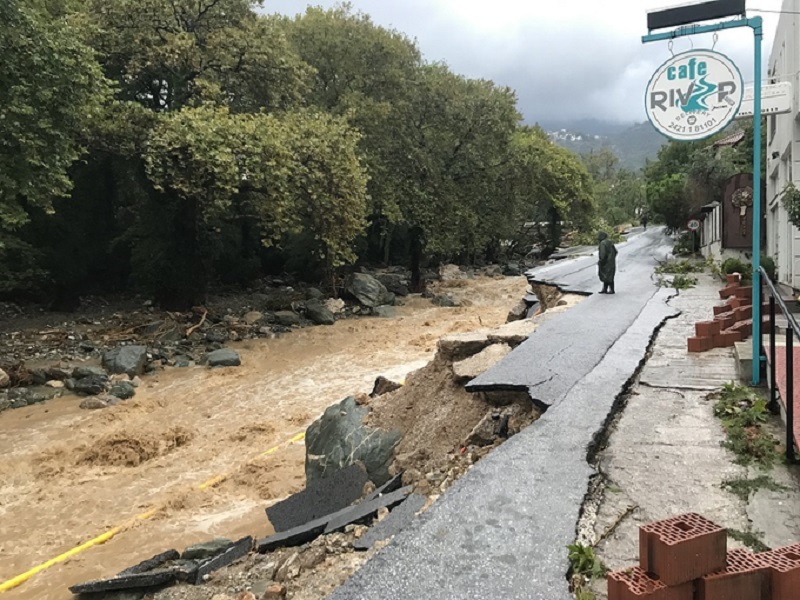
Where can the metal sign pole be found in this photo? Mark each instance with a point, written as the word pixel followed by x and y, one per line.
pixel 756 25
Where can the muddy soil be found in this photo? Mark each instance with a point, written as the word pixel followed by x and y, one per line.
pixel 69 475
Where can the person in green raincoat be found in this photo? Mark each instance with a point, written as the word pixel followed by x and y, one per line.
pixel 607 263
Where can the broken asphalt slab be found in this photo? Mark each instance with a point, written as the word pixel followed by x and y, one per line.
pixel 502 529
pixel 147 573
pixel 581 336
pixel 331 523
pixel 233 553
pixel 321 497
pixel 400 518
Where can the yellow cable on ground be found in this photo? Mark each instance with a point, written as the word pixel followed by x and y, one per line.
pixel 103 538
pixel 96 541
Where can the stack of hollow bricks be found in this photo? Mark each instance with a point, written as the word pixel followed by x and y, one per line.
pixel 686 558
pixel 732 320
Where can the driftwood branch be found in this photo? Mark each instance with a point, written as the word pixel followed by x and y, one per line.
pixel 194 328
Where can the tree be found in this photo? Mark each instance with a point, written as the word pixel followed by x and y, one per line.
pixel 51 88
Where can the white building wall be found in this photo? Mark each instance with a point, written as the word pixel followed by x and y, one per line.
pixel 783 147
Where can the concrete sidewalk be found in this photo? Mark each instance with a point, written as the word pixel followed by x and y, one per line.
pixel 664 456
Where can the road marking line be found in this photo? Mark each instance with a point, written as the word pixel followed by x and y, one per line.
pixel 104 537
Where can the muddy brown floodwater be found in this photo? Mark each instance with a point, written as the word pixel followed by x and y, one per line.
pixel 68 475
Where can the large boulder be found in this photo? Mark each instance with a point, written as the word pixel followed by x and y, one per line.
pixel 395 283
pixel 368 291
pixel 319 313
pixel 126 359
pixel 91 385
pixel 224 357
pixel 339 438
pixel 287 318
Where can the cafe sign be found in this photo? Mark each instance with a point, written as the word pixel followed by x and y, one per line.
pixel 694 95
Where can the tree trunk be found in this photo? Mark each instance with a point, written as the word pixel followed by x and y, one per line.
pixel 416 259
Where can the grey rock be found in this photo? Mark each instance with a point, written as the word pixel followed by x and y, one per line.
pixel 57 374
pixel 445 301
pixel 319 314
pixel 87 346
pixel 385 312
pixel 311 558
pixel 224 357
pixel 81 372
pixel 69 383
pixel 94 403
pixel 512 270
pixel 340 438
pixel 519 312
pixel 207 549
pixel 126 359
pixel 395 283
pixel 217 336
pixel 314 294
pixel 91 385
pixel 23 397
pixel 182 361
pixel 39 376
pixel 252 317
pixel 287 318
pixel 151 563
pixel 122 390
pixel 367 290
pixel 384 386
pixel 5 402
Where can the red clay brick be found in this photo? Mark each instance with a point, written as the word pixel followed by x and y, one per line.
pixel 784 569
pixel 725 339
pixel 682 548
pixel 635 584
pixel 728 291
pixel 707 328
pixel 736 334
pixel 734 302
pixel 727 320
pixel 745 577
pixel 744 293
pixel 743 313
pixel 746 327
pixel 721 308
pixel 733 278
pixel 699 344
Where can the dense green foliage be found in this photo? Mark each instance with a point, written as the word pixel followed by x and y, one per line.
pixel 687 175
pixel 168 145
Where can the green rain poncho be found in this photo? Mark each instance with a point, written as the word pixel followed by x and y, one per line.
pixel 607 263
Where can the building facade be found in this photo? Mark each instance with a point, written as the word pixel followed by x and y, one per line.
pixel 783 148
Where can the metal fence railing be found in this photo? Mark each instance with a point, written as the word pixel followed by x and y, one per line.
pixel 792 331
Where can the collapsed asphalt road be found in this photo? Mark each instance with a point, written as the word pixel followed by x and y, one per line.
pixel 503 528
pixel 580 341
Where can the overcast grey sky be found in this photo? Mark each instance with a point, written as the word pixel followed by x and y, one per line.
pixel 567 59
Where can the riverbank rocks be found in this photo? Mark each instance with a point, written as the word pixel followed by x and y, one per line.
pixel 252 317
pixel 91 385
pixel 5 379
pixel 368 291
pixel 339 438
pixel 126 359
pixel 95 403
pixel 519 312
pixel 451 273
pixel 81 372
pixel 335 305
pixel 319 313
pixel 445 301
pixel 224 357
pixel 123 390
pixel 395 283
pixel 461 345
pixel 385 312
pixel 287 318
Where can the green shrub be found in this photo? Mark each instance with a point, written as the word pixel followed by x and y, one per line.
pixel 743 414
pixel 769 266
pixel 686 244
pixel 734 265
